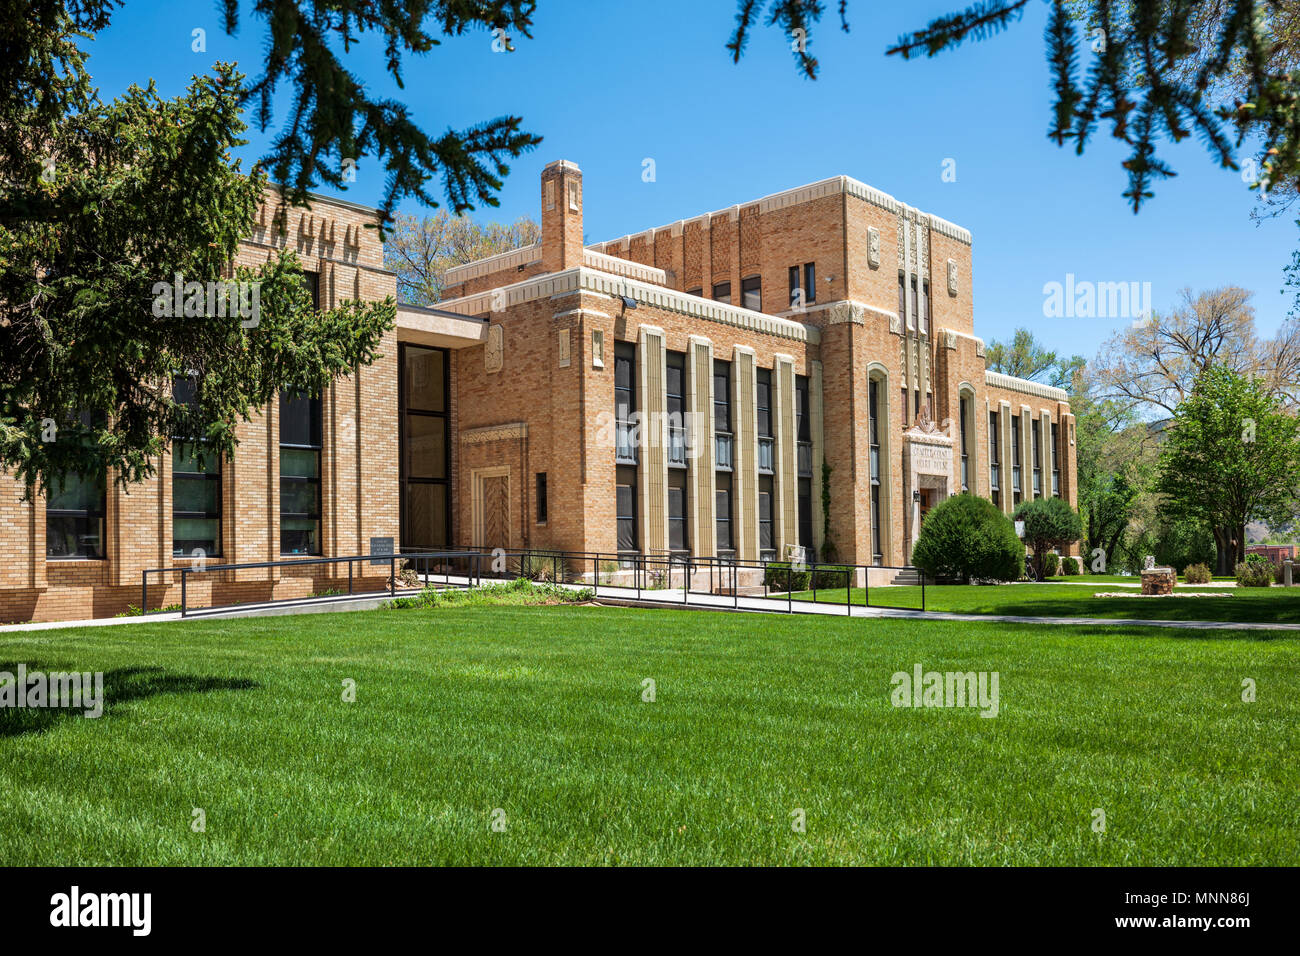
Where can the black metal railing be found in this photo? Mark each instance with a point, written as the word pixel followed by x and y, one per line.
pixel 427 561
pixel 466 567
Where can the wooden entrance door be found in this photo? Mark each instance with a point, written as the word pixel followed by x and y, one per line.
pixel 927 496
pixel 492 508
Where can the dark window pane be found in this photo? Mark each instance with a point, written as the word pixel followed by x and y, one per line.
pixel 299 463
pixel 74 536
pixel 426 517
pixel 810 282
pixel 722 292
pixel 190 534
pixel 75 493
pixel 300 420
pixel 299 536
pixel 201 495
pixel 423 379
pixel 426 447
pixel 751 293
pixel 299 498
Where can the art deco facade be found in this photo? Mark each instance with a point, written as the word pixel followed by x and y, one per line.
pixel 694 388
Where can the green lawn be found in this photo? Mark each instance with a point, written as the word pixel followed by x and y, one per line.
pixel 538 711
pixel 1281 605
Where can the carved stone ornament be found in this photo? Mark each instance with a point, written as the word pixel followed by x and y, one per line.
pixel 494 354
pixel 952 277
pixel 873 247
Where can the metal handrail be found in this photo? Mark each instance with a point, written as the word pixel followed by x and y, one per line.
pixel 390 558
pixel 721 571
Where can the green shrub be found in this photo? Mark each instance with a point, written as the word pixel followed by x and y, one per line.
pixel 1070 566
pixel 967 537
pixel 1051 564
pixel 520 591
pixel 1049 523
pixel 778 577
pixel 1197 574
pixel 832 576
pixel 1255 572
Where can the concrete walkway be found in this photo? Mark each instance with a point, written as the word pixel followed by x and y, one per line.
pixel 671 598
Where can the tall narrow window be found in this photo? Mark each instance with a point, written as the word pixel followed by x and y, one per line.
pixel 809 282
pixel 312 280
pixel 425 452
pixel 995 462
pixel 75 506
pixel 766 459
pixel 1056 468
pixel 625 503
pixel 766 540
pixel 541 497
pixel 902 304
pixel 676 408
pixel 626 509
pixel 722 292
pixel 796 299
pixel 196 485
pixel 802 427
pixel 1015 459
pixel 1036 432
pixel 873 434
pixel 964 406
pixel 804 469
pixel 916 308
pixel 624 403
pixel 300 453
pixel 678 531
pixel 925 307
pixel 751 293
pixel 722 437
pixel 722 508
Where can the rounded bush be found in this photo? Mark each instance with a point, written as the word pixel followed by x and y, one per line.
pixel 1197 574
pixel 968 537
pixel 1049 523
pixel 1255 572
pixel 1051 564
pixel 1070 566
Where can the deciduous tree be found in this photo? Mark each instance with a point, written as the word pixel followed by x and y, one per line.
pixel 1231 455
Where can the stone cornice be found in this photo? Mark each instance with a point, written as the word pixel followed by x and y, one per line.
pixel 589 280
pixel 835 186
pixel 513 258
pixel 1025 387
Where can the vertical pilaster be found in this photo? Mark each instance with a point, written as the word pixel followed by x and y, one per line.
pixel 816 411
pixel 744 403
pixel 652 463
pixel 1008 463
pixel 703 481
pixel 787 487
pixel 1045 451
pixel 1026 453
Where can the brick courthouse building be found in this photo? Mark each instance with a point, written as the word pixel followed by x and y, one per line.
pixel 677 390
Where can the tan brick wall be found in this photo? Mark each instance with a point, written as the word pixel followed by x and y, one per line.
pixel 358 475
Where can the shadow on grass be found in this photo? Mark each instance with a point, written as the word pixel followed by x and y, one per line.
pixel 1224 611
pixel 121 686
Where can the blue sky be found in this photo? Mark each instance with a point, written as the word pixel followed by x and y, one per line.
pixel 609 84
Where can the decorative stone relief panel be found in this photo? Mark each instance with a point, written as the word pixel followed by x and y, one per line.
pixel 873 247
pixel 494 354
pixel 952 277
pixel 562 347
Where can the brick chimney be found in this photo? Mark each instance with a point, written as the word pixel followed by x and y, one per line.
pixel 561 216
